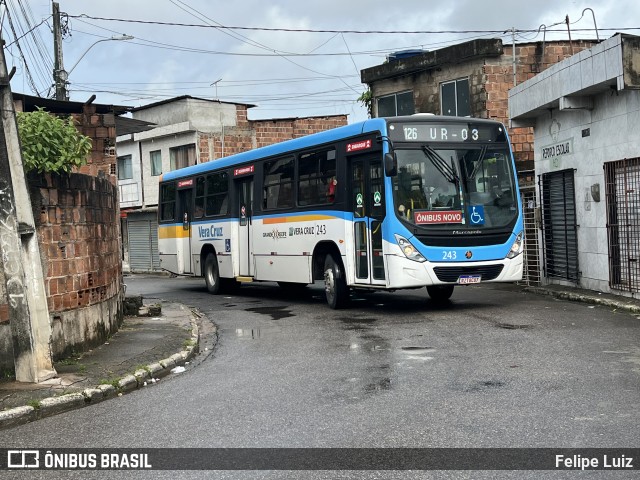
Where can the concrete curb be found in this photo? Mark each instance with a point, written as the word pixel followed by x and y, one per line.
pixel 140 378
pixel 577 297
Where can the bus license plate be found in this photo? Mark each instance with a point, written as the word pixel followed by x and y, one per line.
pixel 467 279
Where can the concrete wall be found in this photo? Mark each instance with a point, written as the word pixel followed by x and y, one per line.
pixel 203 115
pixel 613 127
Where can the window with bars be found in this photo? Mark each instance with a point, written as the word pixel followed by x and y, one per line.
pixel 622 191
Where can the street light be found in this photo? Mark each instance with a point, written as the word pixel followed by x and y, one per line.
pixel 62 75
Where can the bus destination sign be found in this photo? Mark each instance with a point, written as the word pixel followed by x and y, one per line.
pixel 243 171
pixel 446 132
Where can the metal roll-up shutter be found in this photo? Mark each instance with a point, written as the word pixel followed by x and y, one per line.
pixel 143 243
pixel 560 230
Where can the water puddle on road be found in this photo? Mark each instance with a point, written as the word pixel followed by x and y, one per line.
pixel 512 326
pixel 418 353
pixel 250 333
pixel 276 313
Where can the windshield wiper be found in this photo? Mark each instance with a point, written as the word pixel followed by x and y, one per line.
pixel 441 165
pixel 480 162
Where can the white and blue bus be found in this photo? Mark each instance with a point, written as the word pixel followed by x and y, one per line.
pixel 388 203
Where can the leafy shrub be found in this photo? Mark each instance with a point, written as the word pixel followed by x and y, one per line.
pixel 50 143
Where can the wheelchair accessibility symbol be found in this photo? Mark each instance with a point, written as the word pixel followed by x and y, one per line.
pixel 476 216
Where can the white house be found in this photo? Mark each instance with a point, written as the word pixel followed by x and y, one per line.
pixel 585 112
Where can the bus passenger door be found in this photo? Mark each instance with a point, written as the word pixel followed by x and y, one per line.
pixel 185 201
pixel 366 191
pixel 244 188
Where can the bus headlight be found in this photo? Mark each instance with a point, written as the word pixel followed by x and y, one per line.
pixel 409 250
pixel 517 247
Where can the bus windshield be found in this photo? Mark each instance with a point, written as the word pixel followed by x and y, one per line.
pixel 453 187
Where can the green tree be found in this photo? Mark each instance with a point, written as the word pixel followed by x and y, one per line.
pixel 366 99
pixel 50 143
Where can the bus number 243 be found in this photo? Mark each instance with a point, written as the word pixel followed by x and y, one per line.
pixel 449 255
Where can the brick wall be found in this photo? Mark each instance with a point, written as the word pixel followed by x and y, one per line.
pixel 250 134
pixel 77 220
pixel 101 129
pixel 498 80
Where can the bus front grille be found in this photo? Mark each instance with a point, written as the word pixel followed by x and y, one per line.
pixel 451 274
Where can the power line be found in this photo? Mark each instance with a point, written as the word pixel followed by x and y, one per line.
pixel 361 32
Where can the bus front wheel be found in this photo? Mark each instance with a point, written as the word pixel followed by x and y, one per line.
pixel 335 284
pixel 211 273
pixel 440 293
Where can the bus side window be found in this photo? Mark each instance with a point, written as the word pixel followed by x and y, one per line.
pixel 316 177
pixel 331 190
pixel 168 202
pixel 199 204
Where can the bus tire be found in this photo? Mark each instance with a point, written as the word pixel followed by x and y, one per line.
pixel 440 293
pixel 335 284
pixel 211 273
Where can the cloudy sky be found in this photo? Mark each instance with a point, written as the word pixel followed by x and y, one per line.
pixel 290 58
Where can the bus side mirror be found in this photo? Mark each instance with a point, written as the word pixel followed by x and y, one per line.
pixel 391 164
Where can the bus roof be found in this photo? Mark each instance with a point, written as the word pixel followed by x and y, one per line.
pixel 327 136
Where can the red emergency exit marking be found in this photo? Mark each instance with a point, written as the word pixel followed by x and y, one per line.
pixel 243 170
pixel 363 145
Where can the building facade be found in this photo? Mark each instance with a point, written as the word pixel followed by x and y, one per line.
pixel 187 130
pixel 472 79
pixel 585 113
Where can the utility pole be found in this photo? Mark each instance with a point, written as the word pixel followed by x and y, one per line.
pixel 59 73
pixel 23 275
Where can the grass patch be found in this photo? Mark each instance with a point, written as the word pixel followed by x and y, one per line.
pixel 35 404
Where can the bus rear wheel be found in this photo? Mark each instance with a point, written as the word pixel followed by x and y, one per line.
pixel 335 284
pixel 211 273
pixel 440 293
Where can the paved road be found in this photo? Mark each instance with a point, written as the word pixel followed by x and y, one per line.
pixel 494 368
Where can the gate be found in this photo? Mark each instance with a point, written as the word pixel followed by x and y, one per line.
pixel 560 229
pixel 143 242
pixel 531 269
pixel 622 187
